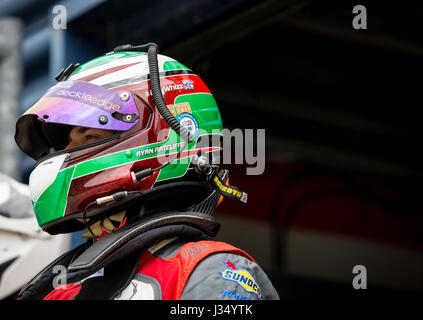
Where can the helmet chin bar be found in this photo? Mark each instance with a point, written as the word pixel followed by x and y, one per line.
pixel 206 206
pixel 170 196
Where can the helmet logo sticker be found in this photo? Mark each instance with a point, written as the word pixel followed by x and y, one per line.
pixel 84 97
pixel 188 121
pixel 188 85
pixel 182 107
pixel 185 85
pixel 178 108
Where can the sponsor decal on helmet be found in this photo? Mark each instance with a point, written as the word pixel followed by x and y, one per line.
pixel 183 107
pixel 188 121
pixel 185 85
pixel 241 277
pixel 106 104
pixel 188 85
pixel 179 108
pixel 86 93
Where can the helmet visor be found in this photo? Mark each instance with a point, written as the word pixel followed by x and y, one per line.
pixel 73 103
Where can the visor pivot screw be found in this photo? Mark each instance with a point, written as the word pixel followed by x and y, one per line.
pixel 128 118
pixel 124 96
pixel 102 119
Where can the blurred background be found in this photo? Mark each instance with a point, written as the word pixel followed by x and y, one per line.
pixel 342 184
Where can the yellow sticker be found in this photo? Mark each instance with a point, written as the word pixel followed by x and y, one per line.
pixel 182 107
pixel 177 109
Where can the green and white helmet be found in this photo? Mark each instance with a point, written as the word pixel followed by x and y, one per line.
pixel 145 153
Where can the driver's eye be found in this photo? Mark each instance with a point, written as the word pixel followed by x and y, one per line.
pixel 90 137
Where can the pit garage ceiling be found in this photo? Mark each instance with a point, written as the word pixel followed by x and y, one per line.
pixel 323 90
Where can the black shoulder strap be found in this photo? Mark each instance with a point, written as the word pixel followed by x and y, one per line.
pixel 121 270
pixel 119 252
pixel 117 276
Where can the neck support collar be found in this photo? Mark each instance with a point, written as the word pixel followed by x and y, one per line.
pixel 85 260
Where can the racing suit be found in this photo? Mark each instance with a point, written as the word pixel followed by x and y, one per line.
pixel 177 269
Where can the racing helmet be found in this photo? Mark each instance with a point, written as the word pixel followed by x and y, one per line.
pixel 163 118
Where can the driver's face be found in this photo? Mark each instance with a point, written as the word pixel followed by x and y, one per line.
pixel 83 135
